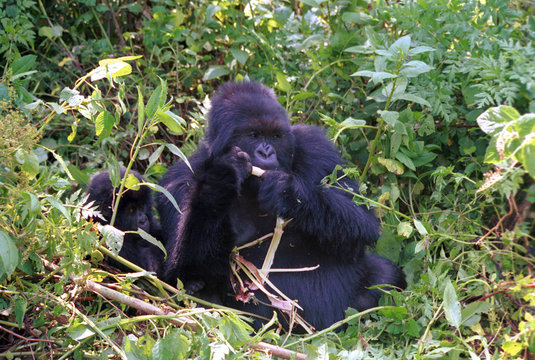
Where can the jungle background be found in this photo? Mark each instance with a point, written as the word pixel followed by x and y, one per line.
pixel 431 102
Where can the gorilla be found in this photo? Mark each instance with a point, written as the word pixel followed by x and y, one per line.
pixel 135 211
pixel 223 206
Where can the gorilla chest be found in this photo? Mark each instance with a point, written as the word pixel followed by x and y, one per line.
pixel 249 222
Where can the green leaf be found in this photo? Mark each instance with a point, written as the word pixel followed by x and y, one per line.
pixel 23 64
pixel 59 206
pixel 401 45
pixel 140 110
pixel 172 121
pixel 512 347
pixel 526 155
pixel 376 76
pixel 9 254
pixel 132 182
pixel 20 309
pixel 30 164
pixel 166 193
pixel 176 151
pixel 148 237
pixel 452 306
pixel 356 18
pixel 104 124
pixel 113 237
pixel 391 165
pixel 154 101
pixel 215 72
pixel 404 229
pixel 420 49
pixel 390 117
pixel 175 345
pixel 420 227
pixel 470 314
pixel 405 160
pixel 282 83
pixel 414 68
pixel 494 119
pixel 240 55
pixel 525 125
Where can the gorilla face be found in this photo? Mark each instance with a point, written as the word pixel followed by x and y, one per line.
pixel 269 145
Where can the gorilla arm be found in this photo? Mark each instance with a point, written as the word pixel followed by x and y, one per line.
pixel 204 237
pixel 327 214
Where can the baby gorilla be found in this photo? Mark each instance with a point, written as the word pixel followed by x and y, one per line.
pixel 223 207
pixel 135 211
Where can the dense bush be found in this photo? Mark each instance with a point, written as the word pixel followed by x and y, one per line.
pixel 431 103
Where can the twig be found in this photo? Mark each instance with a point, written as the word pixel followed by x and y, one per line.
pixel 154 310
pixel 23 337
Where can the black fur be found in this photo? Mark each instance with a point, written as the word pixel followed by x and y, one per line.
pixel 223 207
pixel 135 211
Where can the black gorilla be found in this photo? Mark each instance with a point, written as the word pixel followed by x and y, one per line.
pixel 135 211
pixel 223 206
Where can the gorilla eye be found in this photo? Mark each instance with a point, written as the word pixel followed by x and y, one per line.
pixel 276 136
pixel 132 209
pixel 253 134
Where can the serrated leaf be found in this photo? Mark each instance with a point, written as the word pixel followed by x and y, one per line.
pixel 404 229
pixel 23 64
pixel 20 309
pixel 452 306
pixel 113 237
pixel 9 254
pixel 175 345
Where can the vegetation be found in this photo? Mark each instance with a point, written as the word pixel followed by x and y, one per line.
pixel 431 102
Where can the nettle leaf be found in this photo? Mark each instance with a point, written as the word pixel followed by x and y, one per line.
pixel 494 119
pixel 113 237
pixel 452 306
pixel 9 254
pixel 470 313
pixel 175 345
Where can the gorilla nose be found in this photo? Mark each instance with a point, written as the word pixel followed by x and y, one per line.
pixel 265 151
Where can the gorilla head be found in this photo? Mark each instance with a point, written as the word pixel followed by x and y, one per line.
pixel 135 207
pixel 250 117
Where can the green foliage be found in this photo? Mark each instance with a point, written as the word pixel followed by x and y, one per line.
pixel 404 89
